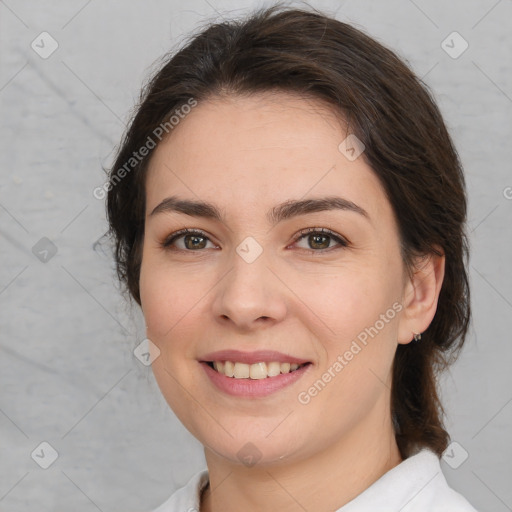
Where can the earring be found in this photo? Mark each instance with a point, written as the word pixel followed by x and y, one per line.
pixel 417 336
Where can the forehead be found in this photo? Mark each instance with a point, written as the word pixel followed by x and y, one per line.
pixel 260 150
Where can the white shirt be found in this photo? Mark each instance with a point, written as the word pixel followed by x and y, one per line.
pixel 417 484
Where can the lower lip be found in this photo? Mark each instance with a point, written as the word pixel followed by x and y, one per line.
pixel 253 388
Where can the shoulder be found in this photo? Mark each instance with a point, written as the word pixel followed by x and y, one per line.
pixel 187 498
pixel 417 484
pixel 446 499
pixel 434 494
pixel 438 496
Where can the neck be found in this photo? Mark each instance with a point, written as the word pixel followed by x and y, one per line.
pixel 323 482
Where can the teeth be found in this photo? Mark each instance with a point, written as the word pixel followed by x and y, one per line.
pixel 253 371
pixel 258 371
pixel 242 371
pixel 229 369
pixel 273 369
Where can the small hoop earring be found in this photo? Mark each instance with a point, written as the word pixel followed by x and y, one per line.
pixel 417 336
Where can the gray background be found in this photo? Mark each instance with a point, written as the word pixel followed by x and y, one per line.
pixel 67 372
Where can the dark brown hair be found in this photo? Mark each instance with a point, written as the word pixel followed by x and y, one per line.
pixel 406 144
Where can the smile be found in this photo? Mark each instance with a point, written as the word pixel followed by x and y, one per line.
pixel 249 383
pixel 256 371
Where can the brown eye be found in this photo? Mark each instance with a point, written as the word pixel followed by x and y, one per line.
pixel 194 242
pixel 189 240
pixel 319 239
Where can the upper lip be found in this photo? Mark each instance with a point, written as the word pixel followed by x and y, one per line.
pixel 257 356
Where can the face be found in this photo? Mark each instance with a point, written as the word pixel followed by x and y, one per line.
pixel 320 285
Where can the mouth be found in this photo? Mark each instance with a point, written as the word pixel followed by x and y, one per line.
pixel 255 371
pixel 256 374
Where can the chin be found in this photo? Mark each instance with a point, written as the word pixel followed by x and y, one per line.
pixel 249 447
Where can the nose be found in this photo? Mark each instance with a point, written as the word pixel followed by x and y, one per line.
pixel 250 295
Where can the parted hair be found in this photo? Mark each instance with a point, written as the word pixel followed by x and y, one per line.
pixel 407 145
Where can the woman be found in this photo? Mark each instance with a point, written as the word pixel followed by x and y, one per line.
pixel 289 213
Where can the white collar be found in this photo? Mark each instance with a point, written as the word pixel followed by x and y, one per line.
pixel 417 484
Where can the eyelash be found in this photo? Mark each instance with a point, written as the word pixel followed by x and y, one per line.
pixel 343 242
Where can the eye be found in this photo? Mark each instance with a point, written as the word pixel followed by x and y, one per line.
pixel 192 240
pixel 319 239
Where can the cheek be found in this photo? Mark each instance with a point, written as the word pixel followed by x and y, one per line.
pixel 170 303
pixel 156 299
pixel 346 300
pixel 353 313
pixel 167 296
pixel 357 334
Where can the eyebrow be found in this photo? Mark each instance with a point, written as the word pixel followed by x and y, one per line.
pixel 279 213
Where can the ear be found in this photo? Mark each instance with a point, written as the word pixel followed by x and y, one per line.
pixel 420 296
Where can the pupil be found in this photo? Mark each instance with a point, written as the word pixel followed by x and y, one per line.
pixel 194 243
pixel 316 237
pixel 316 241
